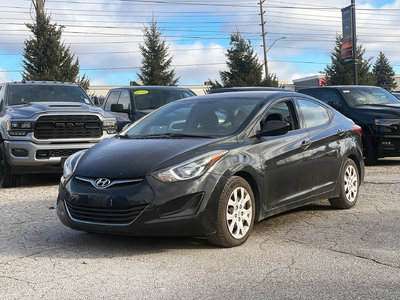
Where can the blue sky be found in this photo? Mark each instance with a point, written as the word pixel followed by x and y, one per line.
pixel 105 35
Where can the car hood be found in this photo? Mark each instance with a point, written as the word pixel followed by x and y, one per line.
pixel 30 109
pixel 134 158
pixel 381 110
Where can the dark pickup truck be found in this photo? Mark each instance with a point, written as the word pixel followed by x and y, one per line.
pixel 374 109
pixel 129 104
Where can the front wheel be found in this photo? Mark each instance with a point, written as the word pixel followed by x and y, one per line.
pixel 349 185
pixel 7 179
pixel 236 211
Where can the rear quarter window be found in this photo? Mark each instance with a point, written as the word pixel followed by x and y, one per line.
pixel 313 113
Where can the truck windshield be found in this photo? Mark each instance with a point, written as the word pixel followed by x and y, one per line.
pixel 23 94
pixel 152 99
pixel 368 96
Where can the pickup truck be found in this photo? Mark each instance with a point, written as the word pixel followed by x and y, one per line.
pixel 42 123
pixel 129 104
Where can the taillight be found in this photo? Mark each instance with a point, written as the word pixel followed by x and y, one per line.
pixel 357 129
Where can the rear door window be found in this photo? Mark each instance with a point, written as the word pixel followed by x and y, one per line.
pixel 124 99
pixel 313 113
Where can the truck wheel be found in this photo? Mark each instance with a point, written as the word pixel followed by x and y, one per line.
pixel 7 179
pixel 236 214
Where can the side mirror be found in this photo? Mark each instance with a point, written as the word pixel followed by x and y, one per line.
pixel 119 108
pixel 273 128
pixel 335 105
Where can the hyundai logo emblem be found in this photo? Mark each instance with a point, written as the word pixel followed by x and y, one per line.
pixel 102 182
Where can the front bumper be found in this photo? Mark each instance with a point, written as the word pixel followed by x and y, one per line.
pixel 30 162
pixel 150 208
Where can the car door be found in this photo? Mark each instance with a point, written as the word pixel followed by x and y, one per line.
pixel 286 159
pixel 325 143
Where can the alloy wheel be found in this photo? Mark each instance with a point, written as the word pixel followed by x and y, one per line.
pixel 351 183
pixel 239 213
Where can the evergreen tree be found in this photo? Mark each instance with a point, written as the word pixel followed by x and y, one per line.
pixel 244 67
pixel 384 74
pixel 155 59
pixel 46 57
pixel 338 73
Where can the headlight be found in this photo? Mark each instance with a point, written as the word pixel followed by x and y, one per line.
pixel 387 122
pixel 19 128
pixel 190 169
pixel 71 163
pixel 110 126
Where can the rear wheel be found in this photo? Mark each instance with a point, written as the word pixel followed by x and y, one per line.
pixel 349 184
pixel 236 211
pixel 7 179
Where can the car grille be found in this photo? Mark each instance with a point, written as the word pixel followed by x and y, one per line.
pixel 105 215
pixel 68 127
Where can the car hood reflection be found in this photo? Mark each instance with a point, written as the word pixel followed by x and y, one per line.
pixel 133 158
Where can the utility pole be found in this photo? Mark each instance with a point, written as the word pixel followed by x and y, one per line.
pixel 262 12
pixel 354 38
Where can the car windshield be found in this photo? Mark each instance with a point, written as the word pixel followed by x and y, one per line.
pixel 195 118
pixel 23 94
pixel 368 96
pixel 155 98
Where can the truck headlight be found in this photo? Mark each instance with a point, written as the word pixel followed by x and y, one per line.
pixel 19 128
pixel 189 169
pixel 110 126
pixel 71 163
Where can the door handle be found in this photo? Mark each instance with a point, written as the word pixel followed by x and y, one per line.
pixel 305 144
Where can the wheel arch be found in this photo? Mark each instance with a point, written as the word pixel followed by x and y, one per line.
pixel 254 187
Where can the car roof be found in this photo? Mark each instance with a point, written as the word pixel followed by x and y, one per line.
pixel 340 87
pixel 41 83
pixel 151 87
pixel 262 96
pixel 242 89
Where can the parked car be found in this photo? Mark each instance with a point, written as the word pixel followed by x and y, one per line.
pixel 42 123
pixel 245 89
pixel 374 109
pixel 129 104
pixel 213 165
pixel 396 94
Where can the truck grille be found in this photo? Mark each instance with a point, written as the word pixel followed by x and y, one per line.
pixel 68 127
pixel 105 215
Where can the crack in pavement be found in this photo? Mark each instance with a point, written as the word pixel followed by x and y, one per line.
pixel 347 253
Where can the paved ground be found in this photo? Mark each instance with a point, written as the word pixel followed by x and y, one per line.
pixel 314 252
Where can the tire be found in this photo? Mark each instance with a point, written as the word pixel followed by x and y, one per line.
pixel 7 179
pixel 349 186
pixel 235 216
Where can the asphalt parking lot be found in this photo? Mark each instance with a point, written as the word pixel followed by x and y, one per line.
pixel 312 252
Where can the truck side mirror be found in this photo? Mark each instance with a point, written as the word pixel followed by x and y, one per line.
pixel 119 108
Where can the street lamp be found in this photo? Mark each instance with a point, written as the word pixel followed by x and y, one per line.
pixel 266 51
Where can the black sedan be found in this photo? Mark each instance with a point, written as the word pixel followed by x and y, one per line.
pixel 213 166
